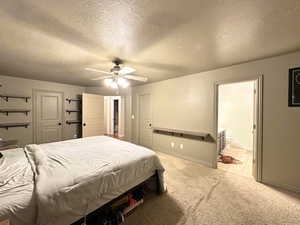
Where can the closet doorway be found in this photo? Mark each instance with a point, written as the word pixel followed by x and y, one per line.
pixel 114 116
pixel 239 127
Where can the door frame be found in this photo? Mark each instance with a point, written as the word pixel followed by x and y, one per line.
pixel 259 120
pixel 138 116
pixel 34 113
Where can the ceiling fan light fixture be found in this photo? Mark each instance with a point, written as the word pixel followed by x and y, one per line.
pixel 114 85
pixel 122 82
pixel 125 84
pixel 118 75
pixel 108 82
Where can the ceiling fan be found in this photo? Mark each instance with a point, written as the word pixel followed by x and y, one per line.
pixel 118 75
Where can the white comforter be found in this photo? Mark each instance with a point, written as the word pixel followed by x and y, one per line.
pixel 75 177
pixel 17 200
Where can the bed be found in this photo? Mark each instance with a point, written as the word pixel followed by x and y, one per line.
pixel 75 177
pixel 17 199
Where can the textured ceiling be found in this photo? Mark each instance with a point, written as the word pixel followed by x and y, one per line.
pixel 55 40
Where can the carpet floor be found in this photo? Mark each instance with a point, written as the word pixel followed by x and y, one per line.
pixel 243 167
pixel 203 196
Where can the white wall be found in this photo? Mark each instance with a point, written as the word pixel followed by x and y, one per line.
pixel 188 103
pixel 25 87
pixel 236 113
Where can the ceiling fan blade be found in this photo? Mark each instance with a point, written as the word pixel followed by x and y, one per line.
pixel 126 70
pixel 102 78
pixel 97 71
pixel 134 77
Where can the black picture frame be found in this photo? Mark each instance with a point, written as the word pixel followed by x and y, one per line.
pixel 294 87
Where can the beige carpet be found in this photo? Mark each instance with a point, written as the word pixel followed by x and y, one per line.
pixel 243 167
pixel 202 196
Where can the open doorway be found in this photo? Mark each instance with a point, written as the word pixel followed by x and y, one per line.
pixel 239 127
pixel 114 116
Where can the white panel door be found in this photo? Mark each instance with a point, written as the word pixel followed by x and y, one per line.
pixel 145 120
pixel 92 115
pixel 49 116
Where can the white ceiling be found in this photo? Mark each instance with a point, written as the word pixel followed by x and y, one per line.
pixel 55 40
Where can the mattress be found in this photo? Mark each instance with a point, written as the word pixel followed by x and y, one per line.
pixel 75 177
pixel 17 201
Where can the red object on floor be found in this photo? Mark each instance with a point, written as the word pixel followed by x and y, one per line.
pixel 227 159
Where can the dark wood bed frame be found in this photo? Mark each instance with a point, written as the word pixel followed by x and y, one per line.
pixel 98 211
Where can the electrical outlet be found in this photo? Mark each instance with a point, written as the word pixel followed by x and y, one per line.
pixel 181 146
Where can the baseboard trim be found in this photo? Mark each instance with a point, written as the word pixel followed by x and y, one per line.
pixel 282 186
pixel 203 163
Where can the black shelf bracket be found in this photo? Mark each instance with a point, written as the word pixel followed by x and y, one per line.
pixel 72 100
pixel 14 111
pixel 73 122
pixel 10 125
pixel 73 111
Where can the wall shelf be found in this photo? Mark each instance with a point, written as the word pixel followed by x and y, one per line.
pixel 73 100
pixel 9 125
pixel 73 122
pixel 73 111
pixel 183 133
pixel 7 111
pixel 6 97
pixel 8 143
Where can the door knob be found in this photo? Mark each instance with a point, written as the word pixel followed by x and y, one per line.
pixel 59 124
pixel 84 124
